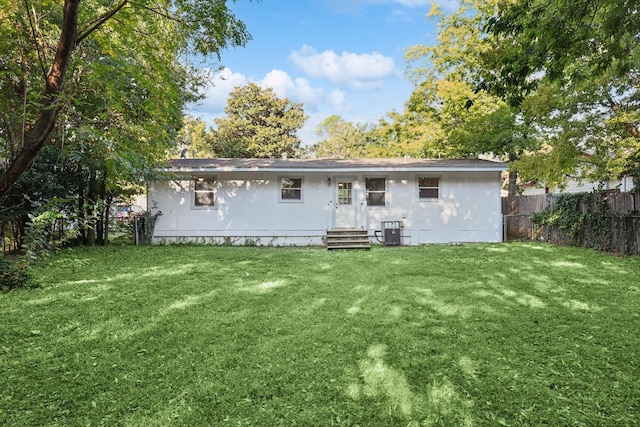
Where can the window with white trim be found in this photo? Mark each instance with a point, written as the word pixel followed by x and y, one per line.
pixel 428 187
pixel 345 192
pixel 376 191
pixel 290 189
pixel 204 191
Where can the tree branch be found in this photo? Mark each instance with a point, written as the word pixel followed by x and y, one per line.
pixel 37 36
pixel 159 12
pixel 54 81
pixel 96 23
pixel 616 107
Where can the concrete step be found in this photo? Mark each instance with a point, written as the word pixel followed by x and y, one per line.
pixel 365 247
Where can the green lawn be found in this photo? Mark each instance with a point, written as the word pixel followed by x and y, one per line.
pixel 491 334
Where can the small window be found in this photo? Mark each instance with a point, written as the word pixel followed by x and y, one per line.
pixel 375 191
pixel 428 187
pixel 291 189
pixel 205 192
pixel 345 193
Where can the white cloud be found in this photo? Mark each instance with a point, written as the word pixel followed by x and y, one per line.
pixel 298 90
pixel 414 3
pixel 221 84
pixel 356 6
pixel 401 15
pixel 365 71
pixel 318 102
pixel 280 82
pixel 445 5
pixel 336 101
pixel 309 95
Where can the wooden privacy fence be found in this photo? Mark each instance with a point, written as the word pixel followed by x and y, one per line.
pixel 517 213
pixel 619 225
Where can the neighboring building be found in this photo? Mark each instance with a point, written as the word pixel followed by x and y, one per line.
pixel 574 186
pixel 294 202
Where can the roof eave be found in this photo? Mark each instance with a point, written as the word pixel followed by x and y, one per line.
pixel 497 168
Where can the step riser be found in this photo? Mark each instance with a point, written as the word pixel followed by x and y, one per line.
pixel 348 239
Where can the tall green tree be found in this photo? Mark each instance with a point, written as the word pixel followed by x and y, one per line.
pixel 120 119
pixel 563 38
pixel 411 133
pixel 588 132
pixel 194 139
pixel 451 90
pixel 395 135
pixel 258 124
pixel 48 179
pixel 586 53
pixel 340 139
pixel 40 40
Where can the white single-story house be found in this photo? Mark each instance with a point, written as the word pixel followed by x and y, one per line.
pixel 295 201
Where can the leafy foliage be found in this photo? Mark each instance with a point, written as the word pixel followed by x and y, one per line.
pixel 117 106
pixel 411 133
pixel 15 272
pixel 341 139
pixel 567 213
pixel 49 178
pixel 567 37
pixel 258 124
pixel 115 74
pixel 195 138
pixel 585 219
pixel 473 118
pixel 52 227
pixel 550 86
pixel 582 56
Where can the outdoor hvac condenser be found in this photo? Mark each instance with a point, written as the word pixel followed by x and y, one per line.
pixel 392 233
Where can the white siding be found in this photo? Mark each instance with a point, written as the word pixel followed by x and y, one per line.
pixel 468 208
pixel 249 210
pixel 573 186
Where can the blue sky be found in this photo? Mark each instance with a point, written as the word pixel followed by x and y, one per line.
pixel 343 57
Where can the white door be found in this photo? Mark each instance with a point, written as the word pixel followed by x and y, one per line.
pixel 345 203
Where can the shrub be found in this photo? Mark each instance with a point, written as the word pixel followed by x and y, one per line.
pixel 42 237
pixel 14 272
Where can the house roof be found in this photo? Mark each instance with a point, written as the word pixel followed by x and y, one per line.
pixel 333 165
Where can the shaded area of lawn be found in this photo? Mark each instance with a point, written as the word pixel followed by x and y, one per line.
pixel 492 334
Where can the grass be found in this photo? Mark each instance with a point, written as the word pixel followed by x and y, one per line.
pixel 489 334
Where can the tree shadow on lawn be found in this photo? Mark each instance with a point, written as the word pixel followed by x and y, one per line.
pixel 437 403
pixel 512 327
pixel 544 333
pixel 455 339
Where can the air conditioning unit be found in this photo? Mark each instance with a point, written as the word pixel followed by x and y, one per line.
pixel 392 233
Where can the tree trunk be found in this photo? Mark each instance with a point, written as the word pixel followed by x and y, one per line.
pixel 103 224
pixel 513 184
pixel 92 194
pixel 107 219
pixel 37 136
pixel 82 238
pixel 513 179
pixel 21 231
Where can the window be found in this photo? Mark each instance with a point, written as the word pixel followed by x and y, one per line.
pixel 375 191
pixel 345 193
pixel 291 189
pixel 428 187
pixel 205 192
